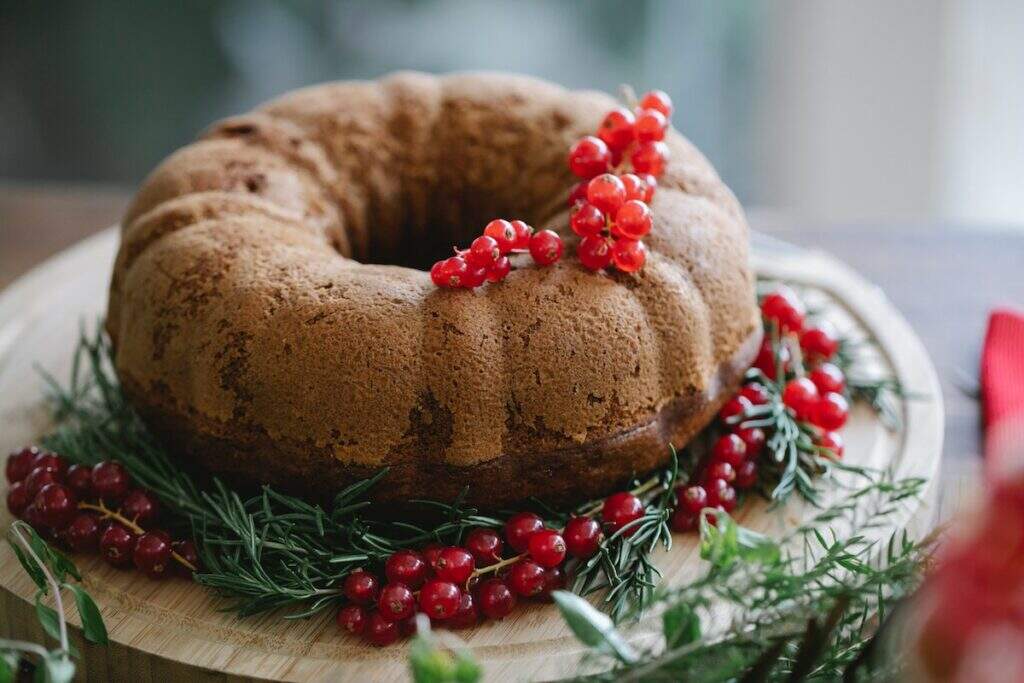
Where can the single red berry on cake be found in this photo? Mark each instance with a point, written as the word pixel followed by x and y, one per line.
pixel 454 564
pixel 754 439
pixel 526 578
pixel 474 277
pixel 151 554
pixel 594 252
pixel 735 407
pixel 832 442
pixel 466 615
pixel 545 247
pixel 524 232
pixel 110 481
pixel 607 192
pixel 486 545
pixel 396 602
pixel 629 256
pixel 693 499
pixel 379 630
pixel 801 396
pixel 819 343
pixel 587 219
pixel 635 186
pixel 406 567
pixel 19 463
pixel 483 252
pixel 547 548
pixel 361 587
pixel 116 544
pixel 520 527
pixel 746 475
pixel 650 125
pixel 352 619
pixel 633 220
pixel 582 537
pixel 657 100
pixel 83 533
pixel 721 470
pixel 650 157
pixel 784 308
pixel 831 411
pixel 439 599
pixel 503 232
pixel 500 270
pixel 79 478
pixel 496 599
pixel 620 509
pixel 827 377
pixel 617 128
pixel 18 498
pixel 589 157
pixel 729 448
pixel 57 505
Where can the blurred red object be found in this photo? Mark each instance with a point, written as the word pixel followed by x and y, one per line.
pixel 1002 390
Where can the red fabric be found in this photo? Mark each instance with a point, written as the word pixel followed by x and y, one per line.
pixel 1002 389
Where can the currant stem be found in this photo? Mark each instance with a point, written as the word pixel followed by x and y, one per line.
pixel 498 565
pixel 107 513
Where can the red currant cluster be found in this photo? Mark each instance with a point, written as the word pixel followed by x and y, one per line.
pixel 456 586
pixel 94 508
pixel 610 206
pixel 486 260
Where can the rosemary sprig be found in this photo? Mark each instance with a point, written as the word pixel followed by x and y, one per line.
pixel 881 393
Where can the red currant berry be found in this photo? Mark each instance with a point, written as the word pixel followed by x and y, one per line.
pixel 526 578
pixel 496 599
pixel 722 470
pixel 578 193
pixel 587 219
pixel 379 630
pixel 819 343
pixel 396 602
pixel 633 220
pixel 828 377
pixel 57 505
pixel 831 412
pixel 594 252
pixel 500 270
pixel 19 463
pixel 523 233
pixel 629 255
pixel 832 442
pixel 784 308
pixel 620 509
pixel 746 475
pixel 682 521
pixel 454 564
pixel 51 461
pixel 617 128
pixel 361 587
pixel 110 481
pixel 801 396
pixel 519 528
pixel 545 247
pixel 607 193
pixel 352 619
pixel 636 188
pixel 40 477
pixel 440 599
pixel 83 533
pixel 651 125
pixel 186 550
pixel 466 615
pixel 693 499
pixel 589 157
pixel 754 440
pixel 18 498
pixel 652 184
pixel 140 506
pixel 657 100
pixel 407 627
pixel 431 552
pixel 755 393
pixel 547 548
pixel 151 554
pixel 650 157
pixel 554 579
pixel 734 409
pixel 406 567
pixel 730 449
pixel 766 361
pixel 721 495
pixel 79 479
pixel 503 232
pixel 483 252
pixel 116 544
pixel 474 277
pixel 582 537
pixel 486 545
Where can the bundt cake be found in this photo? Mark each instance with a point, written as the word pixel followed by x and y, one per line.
pixel 272 318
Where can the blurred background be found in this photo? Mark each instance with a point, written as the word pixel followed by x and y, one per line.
pixel 828 110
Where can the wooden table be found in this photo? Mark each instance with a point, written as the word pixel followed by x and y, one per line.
pixel 943 278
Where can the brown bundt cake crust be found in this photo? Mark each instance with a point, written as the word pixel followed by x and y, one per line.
pixel 253 333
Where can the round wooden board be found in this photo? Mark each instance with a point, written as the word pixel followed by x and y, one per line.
pixel 173 629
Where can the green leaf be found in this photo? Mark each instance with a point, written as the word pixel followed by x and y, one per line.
pixel 681 625
pixel 726 542
pixel 592 628
pixel 56 667
pixel 466 669
pixel 31 567
pixel 48 618
pixel 92 621
pixel 8 665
